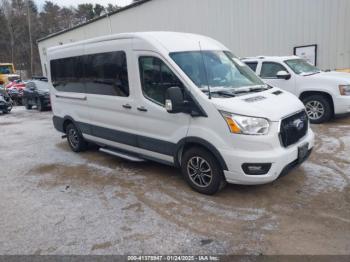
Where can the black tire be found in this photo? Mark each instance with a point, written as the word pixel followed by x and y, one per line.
pixel 212 181
pixel 318 108
pixel 7 110
pixel 26 104
pixel 39 105
pixel 75 140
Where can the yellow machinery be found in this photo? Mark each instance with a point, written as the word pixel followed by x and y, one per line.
pixel 7 73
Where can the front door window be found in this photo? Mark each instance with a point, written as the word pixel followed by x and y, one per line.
pixel 156 78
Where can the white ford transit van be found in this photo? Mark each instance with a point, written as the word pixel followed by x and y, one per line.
pixel 179 99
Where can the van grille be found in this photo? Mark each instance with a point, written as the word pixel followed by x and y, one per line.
pixel 293 128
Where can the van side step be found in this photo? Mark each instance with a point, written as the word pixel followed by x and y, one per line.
pixel 122 155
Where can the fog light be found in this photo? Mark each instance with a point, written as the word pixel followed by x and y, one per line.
pixel 256 169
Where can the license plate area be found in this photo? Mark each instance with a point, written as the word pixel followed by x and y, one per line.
pixel 303 151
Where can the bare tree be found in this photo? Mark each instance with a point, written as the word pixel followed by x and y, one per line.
pixel 22 25
pixel 8 14
pixel 30 38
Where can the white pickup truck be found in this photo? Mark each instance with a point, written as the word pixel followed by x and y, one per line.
pixel 324 94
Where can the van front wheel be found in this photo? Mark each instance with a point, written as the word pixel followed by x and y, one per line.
pixel 202 171
pixel 75 140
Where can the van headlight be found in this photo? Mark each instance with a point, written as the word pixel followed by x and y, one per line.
pixel 245 124
pixel 344 90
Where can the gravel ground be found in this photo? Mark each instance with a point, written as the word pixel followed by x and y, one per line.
pixel 53 201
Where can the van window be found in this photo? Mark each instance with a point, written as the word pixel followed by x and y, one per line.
pixel 252 65
pixel 156 78
pixel 102 74
pixel 270 69
pixel 67 74
pixel 107 74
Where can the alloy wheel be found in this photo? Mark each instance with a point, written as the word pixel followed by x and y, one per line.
pixel 73 137
pixel 315 109
pixel 199 171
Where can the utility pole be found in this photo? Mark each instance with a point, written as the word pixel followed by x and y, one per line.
pixel 30 39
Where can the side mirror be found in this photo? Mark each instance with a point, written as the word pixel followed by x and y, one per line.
pixel 283 75
pixel 174 100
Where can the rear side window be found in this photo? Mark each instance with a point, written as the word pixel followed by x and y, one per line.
pixel 102 74
pixel 107 74
pixel 41 85
pixel 30 85
pixel 270 69
pixel 67 74
pixel 156 78
pixel 252 65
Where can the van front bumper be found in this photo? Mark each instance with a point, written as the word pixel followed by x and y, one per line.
pixel 282 161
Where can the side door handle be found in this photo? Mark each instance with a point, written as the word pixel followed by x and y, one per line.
pixel 127 106
pixel 142 109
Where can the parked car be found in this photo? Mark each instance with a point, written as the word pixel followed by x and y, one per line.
pixel 16 95
pixel 324 94
pixel 158 96
pixel 17 84
pixel 37 93
pixel 5 101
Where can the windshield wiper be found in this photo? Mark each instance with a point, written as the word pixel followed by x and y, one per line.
pixel 221 92
pixel 251 89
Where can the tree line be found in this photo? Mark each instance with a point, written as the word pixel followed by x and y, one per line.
pixel 22 24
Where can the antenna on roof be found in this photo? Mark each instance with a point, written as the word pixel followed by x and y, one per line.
pixel 205 70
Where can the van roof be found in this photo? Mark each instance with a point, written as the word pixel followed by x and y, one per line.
pixel 170 41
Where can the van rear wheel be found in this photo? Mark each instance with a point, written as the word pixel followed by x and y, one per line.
pixel 75 140
pixel 202 171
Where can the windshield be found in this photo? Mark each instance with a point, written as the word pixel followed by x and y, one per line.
pixel 216 69
pixel 301 67
pixel 6 69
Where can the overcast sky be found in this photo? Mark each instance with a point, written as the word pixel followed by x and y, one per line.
pixel 76 2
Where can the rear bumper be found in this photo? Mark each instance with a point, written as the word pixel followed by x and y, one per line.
pixel 282 160
pixel 58 123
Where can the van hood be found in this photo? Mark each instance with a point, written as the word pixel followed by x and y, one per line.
pixel 339 78
pixel 273 104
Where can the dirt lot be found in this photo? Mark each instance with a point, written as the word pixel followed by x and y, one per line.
pixel 53 201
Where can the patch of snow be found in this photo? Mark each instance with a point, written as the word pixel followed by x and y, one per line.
pixel 322 179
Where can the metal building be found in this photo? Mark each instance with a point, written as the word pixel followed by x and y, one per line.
pixel 247 27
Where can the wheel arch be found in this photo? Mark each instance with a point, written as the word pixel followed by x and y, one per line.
pixel 328 96
pixel 66 121
pixel 188 142
pixel 61 123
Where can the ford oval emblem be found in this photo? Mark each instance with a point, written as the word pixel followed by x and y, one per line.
pixel 299 124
